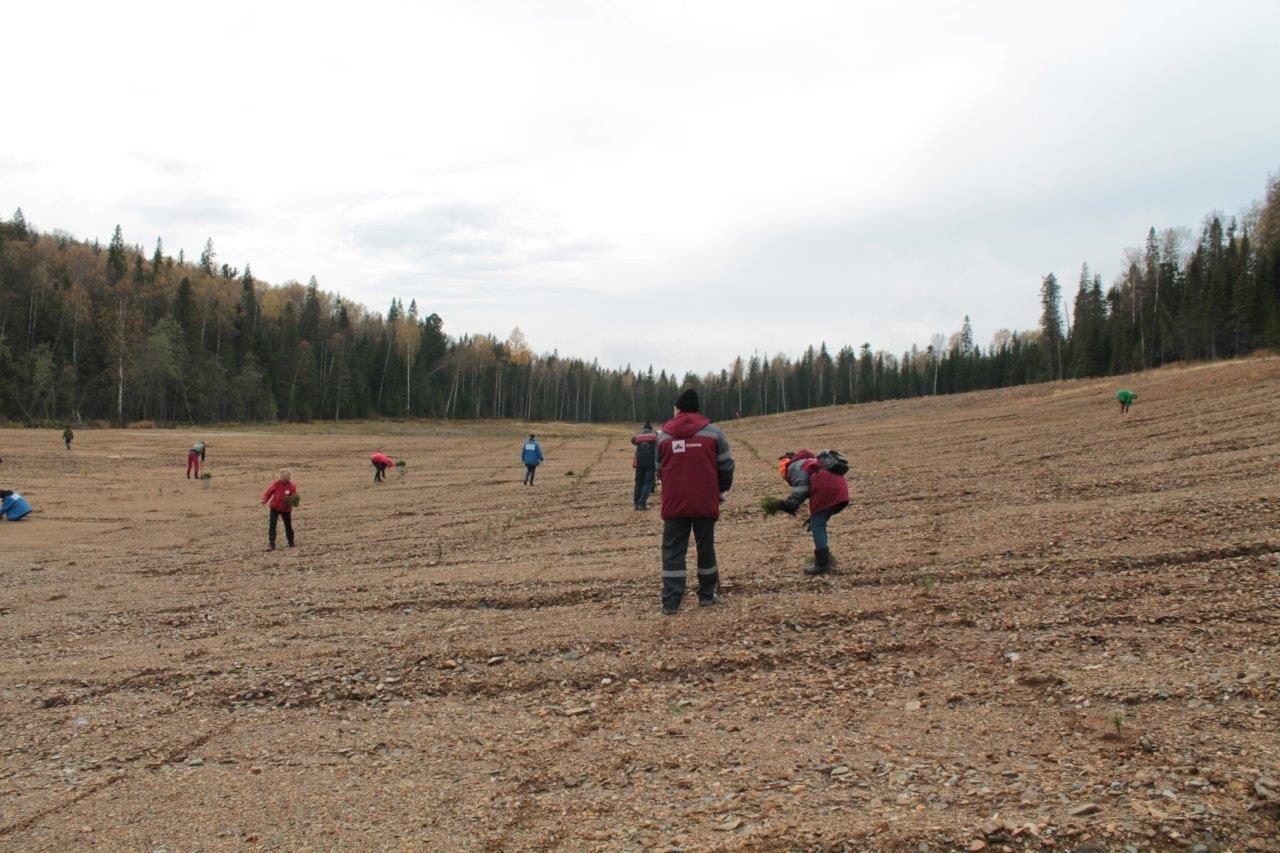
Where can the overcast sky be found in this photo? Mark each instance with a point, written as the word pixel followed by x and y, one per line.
pixel 647 182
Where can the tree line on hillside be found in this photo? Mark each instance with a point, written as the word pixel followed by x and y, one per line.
pixel 107 333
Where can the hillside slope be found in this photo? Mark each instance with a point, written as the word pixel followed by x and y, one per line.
pixel 1050 623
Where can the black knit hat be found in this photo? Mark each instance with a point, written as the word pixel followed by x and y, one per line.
pixel 688 400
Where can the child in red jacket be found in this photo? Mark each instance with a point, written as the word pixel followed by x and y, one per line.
pixel 281 496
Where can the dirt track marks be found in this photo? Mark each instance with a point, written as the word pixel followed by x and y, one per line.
pixel 470 659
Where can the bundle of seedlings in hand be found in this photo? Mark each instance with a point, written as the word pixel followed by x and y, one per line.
pixel 400 463
pixel 770 505
pixel 293 500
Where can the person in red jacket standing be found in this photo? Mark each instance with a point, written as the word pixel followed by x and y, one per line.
pixel 827 493
pixel 281 496
pixel 697 469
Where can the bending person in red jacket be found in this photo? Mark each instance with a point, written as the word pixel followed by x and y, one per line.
pixel 281 496
pixel 827 493
pixel 381 462
pixel 697 470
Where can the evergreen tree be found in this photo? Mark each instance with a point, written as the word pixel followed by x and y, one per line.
pixel 117 260
pixel 1051 324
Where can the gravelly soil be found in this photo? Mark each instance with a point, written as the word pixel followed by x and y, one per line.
pixel 1051 627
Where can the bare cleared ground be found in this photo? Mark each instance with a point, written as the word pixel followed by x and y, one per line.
pixel 1051 627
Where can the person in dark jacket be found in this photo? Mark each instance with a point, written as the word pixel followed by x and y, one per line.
pixel 646 465
pixel 531 456
pixel 67 436
pixel 697 470
pixel 827 494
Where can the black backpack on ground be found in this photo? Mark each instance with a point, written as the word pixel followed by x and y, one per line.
pixel 833 461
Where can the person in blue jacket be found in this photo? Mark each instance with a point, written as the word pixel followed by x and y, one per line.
pixel 13 506
pixel 531 456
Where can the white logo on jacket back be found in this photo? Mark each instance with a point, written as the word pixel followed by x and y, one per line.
pixel 677 446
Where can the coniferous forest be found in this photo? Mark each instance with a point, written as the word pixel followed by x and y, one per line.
pixel 117 335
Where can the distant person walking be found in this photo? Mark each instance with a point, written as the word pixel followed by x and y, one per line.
pixel 1127 399
pixel 13 506
pixel 826 491
pixel 281 497
pixel 646 464
pixel 531 456
pixel 67 436
pixel 195 458
pixel 697 469
pixel 381 462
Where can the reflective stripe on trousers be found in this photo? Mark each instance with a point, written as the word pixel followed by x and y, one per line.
pixel 675 548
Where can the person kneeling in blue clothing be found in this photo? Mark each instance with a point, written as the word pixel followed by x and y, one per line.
pixel 13 506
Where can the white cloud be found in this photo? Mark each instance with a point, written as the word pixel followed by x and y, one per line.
pixel 656 183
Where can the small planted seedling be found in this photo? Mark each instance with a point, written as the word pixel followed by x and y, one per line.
pixel 770 505
pixel 926 584
pixel 1117 720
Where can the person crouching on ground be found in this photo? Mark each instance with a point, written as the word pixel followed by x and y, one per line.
pixel 827 493
pixel 281 496
pixel 531 456
pixel 195 457
pixel 697 469
pixel 1126 399
pixel 13 506
pixel 381 462
pixel 645 463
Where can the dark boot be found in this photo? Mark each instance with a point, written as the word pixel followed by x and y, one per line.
pixel 821 562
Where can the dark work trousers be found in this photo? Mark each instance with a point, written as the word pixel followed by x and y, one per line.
pixel 675 545
pixel 379 472
pixel 528 474
pixel 288 527
pixel 644 487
